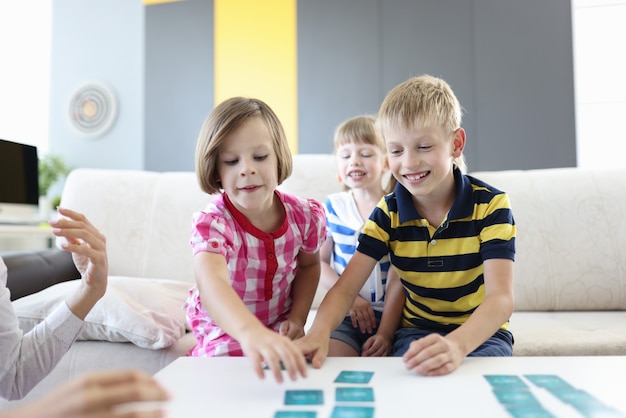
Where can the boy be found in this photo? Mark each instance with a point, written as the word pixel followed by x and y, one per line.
pixel 450 237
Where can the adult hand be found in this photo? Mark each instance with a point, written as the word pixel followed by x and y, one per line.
pixel 362 315
pixel 266 347
pixel 107 394
pixel 88 248
pixel 433 355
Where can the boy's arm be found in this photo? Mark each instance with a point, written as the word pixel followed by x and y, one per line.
pixel 303 291
pixel 334 307
pixel 495 309
pixel 435 355
pixel 224 306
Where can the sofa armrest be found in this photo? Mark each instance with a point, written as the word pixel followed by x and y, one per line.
pixel 32 271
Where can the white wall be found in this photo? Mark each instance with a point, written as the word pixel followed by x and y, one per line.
pixel 600 81
pixel 25 71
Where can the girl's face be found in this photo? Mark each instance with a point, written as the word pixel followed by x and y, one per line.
pixel 360 165
pixel 248 167
pixel 421 158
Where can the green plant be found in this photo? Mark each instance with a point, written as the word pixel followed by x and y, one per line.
pixel 51 169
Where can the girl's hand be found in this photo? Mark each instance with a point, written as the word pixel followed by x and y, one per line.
pixel 291 329
pixel 362 315
pixel 376 346
pixel 266 347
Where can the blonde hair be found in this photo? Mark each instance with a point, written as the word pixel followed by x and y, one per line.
pixel 424 101
pixel 362 129
pixel 359 129
pixel 225 119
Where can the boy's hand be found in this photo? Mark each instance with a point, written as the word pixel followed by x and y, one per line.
pixel 314 347
pixel 433 355
pixel 264 346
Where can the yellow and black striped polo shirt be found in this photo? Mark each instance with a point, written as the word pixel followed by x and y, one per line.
pixel 441 268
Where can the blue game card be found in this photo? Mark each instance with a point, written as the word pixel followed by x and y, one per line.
pixel 500 381
pixel 352 412
pixel 304 397
pixel 515 396
pixel 548 381
pixel 348 376
pixel 354 394
pixel 295 414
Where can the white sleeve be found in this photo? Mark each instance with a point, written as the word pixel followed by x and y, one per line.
pixel 25 359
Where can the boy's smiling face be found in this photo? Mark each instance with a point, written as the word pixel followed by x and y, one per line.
pixel 421 158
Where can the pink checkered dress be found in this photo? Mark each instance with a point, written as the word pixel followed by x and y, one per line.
pixel 262 265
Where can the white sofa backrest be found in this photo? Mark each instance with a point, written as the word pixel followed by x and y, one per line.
pixel 571 237
pixel 571 225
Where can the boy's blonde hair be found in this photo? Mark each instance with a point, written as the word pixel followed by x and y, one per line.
pixel 362 129
pixel 422 101
pixel 225 119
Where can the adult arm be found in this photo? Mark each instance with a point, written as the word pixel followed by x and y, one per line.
pixel 25 359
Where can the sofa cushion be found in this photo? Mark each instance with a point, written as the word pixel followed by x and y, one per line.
pixel 600 333
pixel 145 312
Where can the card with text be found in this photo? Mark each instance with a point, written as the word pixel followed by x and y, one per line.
pixel 354 394
pixel 348 376
pixel 304 397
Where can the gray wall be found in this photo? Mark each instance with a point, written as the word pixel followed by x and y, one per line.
pixel 509 62
pixel 179 81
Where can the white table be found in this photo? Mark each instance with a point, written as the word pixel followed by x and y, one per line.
pixel 227 386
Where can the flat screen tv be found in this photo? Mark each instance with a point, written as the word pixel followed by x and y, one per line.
pixel 19 183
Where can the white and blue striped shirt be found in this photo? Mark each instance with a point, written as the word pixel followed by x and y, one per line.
pixel 343 225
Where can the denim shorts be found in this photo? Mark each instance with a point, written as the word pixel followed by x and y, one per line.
pixel 499 344
pixel 346 333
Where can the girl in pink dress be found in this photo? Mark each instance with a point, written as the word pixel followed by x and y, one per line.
pixel 256 249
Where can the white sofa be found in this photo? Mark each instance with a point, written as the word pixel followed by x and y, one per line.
pixel 570 269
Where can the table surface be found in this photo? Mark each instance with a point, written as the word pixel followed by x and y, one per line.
pixel 227 386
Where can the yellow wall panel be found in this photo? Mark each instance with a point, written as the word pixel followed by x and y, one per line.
pixel 256 56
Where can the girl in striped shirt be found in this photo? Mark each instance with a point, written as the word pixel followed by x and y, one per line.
pixel 361 164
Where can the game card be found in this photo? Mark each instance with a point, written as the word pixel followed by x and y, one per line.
pixel 548 381
pixel 352 412
pixel 354 394
pixel 348 376
pixel 501 381
pixel 304 397
pixel 516 397
pixel 295 414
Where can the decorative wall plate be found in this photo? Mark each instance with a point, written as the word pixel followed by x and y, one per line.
pixel 93 108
